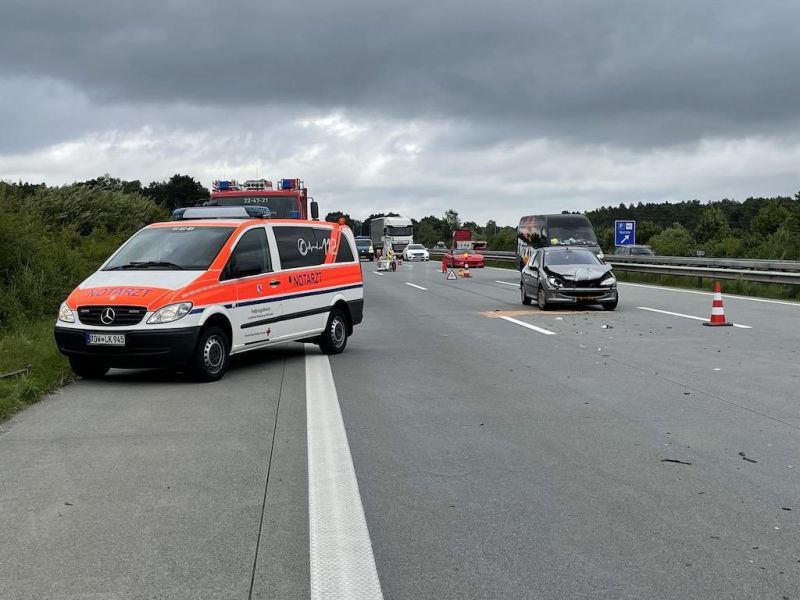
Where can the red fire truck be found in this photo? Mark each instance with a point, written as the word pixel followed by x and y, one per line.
pixel 290 200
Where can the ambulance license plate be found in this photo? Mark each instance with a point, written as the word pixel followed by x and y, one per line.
pixel 105 339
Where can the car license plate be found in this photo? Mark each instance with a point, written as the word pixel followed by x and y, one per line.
pixel 105 339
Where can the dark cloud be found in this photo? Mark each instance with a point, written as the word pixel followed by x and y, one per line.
pixel 623 73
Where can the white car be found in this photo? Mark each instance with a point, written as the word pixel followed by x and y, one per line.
pixel 415 252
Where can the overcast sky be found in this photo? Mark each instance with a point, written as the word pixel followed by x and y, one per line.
pixel 494 109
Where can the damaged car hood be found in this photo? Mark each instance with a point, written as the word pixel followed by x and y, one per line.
pixel 579 272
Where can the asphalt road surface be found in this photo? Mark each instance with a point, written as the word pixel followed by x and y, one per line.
pixel 463 446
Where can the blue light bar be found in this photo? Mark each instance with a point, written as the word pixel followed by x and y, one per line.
pixel 221 212
pixel 258 212
pixel 294 214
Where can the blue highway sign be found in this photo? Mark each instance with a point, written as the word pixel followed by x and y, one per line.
pixel 624 233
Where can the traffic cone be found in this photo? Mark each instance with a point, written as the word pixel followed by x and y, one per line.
pixel 444 265
pixel 717 310
pixel 466 269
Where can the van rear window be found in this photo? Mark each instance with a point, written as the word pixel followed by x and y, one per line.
pixel 302 246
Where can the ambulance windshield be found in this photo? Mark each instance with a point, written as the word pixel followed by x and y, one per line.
pixel 171 248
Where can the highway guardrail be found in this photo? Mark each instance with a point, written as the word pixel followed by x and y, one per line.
pixel 785 272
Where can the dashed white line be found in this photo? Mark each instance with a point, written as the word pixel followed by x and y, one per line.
pixel 419 287
pixel 675 314
pixel 734 296
pixel 516 285
pixel 340 550
pixel 529 326
pixel 378 273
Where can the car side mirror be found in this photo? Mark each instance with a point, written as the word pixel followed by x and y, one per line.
pixel 314 210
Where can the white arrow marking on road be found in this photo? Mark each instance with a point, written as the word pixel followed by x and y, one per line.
pixel 674 314
pixel 419 287
pixel 529 326
pixel 340 550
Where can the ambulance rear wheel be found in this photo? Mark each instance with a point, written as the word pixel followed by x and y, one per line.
pixel 210 360
pixel 334 339
pixel 87 368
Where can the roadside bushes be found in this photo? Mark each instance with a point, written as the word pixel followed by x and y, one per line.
pixel 53 239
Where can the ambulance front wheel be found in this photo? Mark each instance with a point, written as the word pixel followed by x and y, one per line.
pixel 210 360
pixel 334 339
pixel 87 368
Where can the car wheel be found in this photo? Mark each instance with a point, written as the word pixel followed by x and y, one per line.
pixel 334 339
pixel 526 300
pixel 610 305
pixel 210 360
pixel 541 300
pixel 87 368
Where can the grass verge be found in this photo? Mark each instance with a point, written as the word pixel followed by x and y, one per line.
pixel 32 345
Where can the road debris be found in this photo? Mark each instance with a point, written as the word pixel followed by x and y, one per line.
pixel 676 461
pixel 750 460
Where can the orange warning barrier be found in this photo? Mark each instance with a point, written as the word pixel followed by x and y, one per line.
pixel 717 309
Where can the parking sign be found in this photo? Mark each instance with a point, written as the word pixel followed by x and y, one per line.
pixel 624 233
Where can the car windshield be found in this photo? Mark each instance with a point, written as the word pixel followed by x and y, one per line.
pixel 187 247
pixel 566 257
pixel 416 247
pixel 280 207
pixel 463 251
pixel 572 235
pixel 363 243
pixel 642 251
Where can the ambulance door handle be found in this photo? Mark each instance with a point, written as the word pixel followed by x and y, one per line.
pixel 274 283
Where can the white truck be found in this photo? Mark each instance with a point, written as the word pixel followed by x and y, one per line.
pixel 397 232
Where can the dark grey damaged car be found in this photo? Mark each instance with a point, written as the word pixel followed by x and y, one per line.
pixel 566 275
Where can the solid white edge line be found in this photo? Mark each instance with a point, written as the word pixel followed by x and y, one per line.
pixel 734 296
pixel 529 326
pixel 340 550
pixel 675 314
pixel 516 285
pixel 378 273
pixel 419 287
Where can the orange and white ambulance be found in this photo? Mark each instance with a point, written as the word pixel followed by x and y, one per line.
pixel 218 281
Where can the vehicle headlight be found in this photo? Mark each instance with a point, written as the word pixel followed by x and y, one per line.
pixel 555 282
pixel 610 280
pixel 65 313
pixel 171 312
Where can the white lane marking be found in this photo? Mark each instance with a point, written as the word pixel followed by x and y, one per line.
pixel 516 285
pixel 419 287
pixel 504 269
pixel 378 273
pixel 528 326
pixel 734 296
pixel 340 550
pixel 675 314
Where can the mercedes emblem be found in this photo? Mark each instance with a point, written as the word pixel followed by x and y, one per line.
pixel 107 316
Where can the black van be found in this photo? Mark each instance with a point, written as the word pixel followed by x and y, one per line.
pixel 539 231
pixel 365 249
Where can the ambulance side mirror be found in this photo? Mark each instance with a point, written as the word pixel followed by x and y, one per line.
pixel 314 210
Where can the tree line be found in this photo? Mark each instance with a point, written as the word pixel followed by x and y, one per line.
pixel 755 228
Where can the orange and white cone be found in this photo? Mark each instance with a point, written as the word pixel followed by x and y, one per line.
pixel 444 265
pixel 466 269
pixel 717 310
